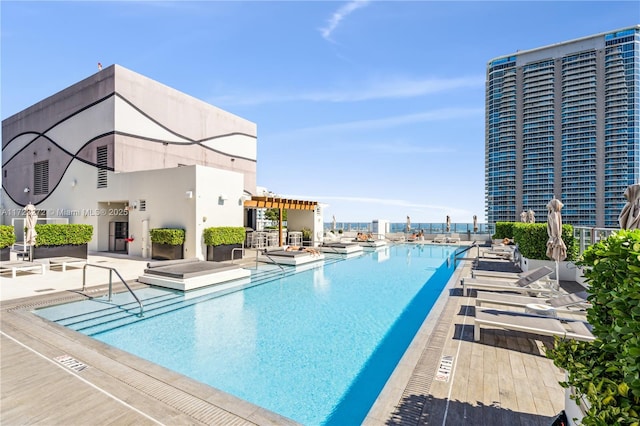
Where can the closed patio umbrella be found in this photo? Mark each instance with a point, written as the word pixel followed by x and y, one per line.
pixel 30 225
pixel 556 249
pixel 531 216
pixel 448 223
pixel 523 216
pixel 333 223
pixel 475 223
pixel 408 224
pixel 630 215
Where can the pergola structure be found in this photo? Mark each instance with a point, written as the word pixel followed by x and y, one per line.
pixel 281 204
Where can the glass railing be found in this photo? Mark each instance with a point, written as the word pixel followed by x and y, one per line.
pixel 588 236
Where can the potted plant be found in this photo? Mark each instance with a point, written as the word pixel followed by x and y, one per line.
pixel 62 240
pixel 167 243
pixel 7 238
pixel 306 236
pixel 606 371
pixel 221 240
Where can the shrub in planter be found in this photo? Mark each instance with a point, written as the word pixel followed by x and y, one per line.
pixel 60 240
pixel 63 234
pixel 221 240
pixel 167 243
pixel 7 238
pixel 170 236
pixel 532 240
pixel 503 230
pixel 306 234
pixel 607 370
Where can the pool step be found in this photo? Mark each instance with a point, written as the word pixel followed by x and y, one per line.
pixel 101 315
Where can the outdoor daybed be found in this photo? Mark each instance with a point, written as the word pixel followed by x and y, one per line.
pixel 189 274
pixel 371 243
pixel 283 256
pixel 340 248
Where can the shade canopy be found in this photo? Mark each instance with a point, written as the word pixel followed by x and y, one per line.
pixel 556 249
pixel 630 215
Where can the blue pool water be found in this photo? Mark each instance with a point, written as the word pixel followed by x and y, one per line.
pixel 316 346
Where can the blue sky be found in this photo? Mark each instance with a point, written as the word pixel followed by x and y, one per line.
pixel 375 108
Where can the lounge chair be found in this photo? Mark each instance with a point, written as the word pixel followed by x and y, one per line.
pixel 545 326
pixel 558 304
pixel 453 238
pixel 529 282
pixel 440 238
pixel 15 266
pixel 479 273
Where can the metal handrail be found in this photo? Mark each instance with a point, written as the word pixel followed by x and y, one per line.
pixel 270 258
pixel 233 251
pixel 111 270
pixel 466 249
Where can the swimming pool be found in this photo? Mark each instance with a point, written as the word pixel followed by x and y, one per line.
pixel 316 346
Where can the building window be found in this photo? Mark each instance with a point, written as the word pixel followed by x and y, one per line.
pixel 41 178
pixel 102 166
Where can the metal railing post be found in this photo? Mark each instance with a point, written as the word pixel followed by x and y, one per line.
pixel 110 284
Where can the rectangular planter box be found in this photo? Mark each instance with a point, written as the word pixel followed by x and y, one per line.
pixel 5 254
pixel 166 251
pixel 71 250
pixel 223 252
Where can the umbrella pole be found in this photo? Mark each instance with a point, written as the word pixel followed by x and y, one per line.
pixel 557 275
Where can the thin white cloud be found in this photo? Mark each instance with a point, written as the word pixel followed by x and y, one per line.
pixel 389 122
pixel 384 88
pixel 339 15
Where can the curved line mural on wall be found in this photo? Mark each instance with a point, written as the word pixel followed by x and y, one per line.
pixel 27 147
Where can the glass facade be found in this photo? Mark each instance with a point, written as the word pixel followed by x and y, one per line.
pixel 564 121
pixel 500 149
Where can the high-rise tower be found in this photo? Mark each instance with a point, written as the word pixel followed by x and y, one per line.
pixel 563 121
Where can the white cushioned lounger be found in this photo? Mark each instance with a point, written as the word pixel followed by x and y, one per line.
pixel 545 326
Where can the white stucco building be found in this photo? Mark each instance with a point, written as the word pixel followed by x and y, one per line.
pixel 120 148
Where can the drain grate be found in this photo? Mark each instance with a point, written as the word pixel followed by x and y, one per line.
pixel 71 363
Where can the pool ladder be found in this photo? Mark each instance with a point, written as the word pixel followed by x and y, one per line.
pixel 111 271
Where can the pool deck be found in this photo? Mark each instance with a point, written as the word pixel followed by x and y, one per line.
pixel 53 375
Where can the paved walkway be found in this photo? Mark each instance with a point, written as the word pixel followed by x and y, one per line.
pixel 503 379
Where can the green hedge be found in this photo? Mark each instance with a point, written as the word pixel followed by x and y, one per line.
pixel 607 370
pixel 219 235
pixel 63 234
pixel 503 230
pixel 7 236
pixel 171 236
pixel 532 240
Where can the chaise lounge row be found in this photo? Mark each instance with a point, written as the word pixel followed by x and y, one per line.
pixel 540 316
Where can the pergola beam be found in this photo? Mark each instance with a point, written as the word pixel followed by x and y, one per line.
pixel 280 204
